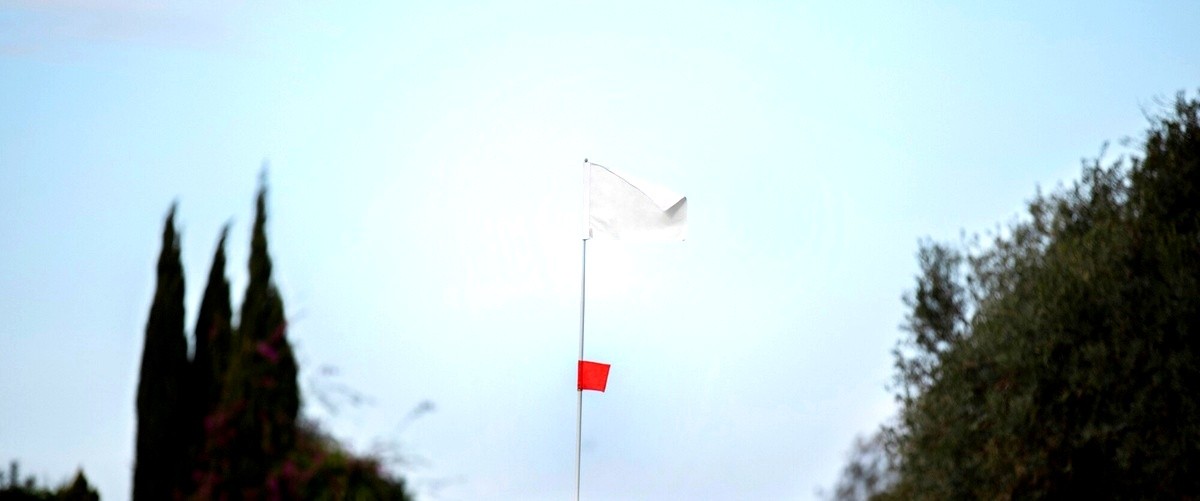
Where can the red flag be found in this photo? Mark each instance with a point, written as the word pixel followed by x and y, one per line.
pixel 592 375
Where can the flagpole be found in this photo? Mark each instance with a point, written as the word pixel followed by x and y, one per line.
pixel 579 391
pixel 582 309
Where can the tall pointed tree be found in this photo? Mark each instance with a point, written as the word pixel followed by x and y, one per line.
pixel 210 361
pixel 213 333
pixel 161 448
pixel 262 377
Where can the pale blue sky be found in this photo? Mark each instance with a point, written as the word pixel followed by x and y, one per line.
pixel 425 167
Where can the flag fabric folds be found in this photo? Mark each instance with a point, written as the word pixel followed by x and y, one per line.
pixel 621 207
pixel 593 376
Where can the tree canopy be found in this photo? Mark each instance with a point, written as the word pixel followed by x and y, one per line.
pixel 1058 359
pixel 162 388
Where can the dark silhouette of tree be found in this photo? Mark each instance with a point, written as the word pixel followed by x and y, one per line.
pixel 210 361
pixel 161 414
pixel 78 490
pixel 236 436
pixel 325 470
pixel 1061 360
pixel 257 419
pixel 14 488
pixel 214 332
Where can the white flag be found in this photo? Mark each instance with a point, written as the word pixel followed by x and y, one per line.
pixel 622 207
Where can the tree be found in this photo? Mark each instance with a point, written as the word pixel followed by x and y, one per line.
pixel 213 345
pixel 78 490
pixel 262 397
pixel 1060 361
pixel 213 332
pixel 870 472
pixel 237 431
pixel 161 448
pixel 14 488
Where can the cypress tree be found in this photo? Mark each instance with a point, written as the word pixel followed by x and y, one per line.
pixel 262 378
pixel 213 335
pixel 161 448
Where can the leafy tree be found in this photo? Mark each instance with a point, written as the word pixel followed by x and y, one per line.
pixel 161 447
pixel 1060 360
pixel 320 468
pixel 870 472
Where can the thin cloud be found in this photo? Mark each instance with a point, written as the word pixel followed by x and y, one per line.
pixel 36 27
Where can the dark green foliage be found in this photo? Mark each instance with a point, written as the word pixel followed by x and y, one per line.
pixel 870 472
pixel 78 490
pixel 14 488
pixel 161 447
pixel 251 434
pixel 317 468
pixel 239 435
pixel 210 361
pixel 214 334
pixel 323 470
pixel 1060 361
pixel 263 397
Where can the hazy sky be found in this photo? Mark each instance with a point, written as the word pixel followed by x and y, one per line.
pixel 425 166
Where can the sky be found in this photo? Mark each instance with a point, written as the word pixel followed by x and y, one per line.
pixel 424 163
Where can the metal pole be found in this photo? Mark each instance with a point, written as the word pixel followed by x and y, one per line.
pixel 579 391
